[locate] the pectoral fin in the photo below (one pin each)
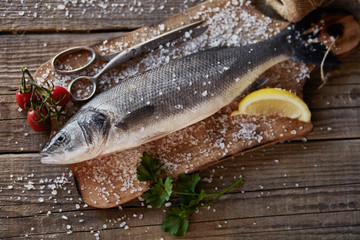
(135, 117)
(258, 83)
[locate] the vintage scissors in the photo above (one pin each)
(115, 59)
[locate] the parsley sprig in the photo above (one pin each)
(176, 221)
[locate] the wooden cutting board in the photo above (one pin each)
(110, 181)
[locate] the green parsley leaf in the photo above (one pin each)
(149, 168)
(159, 192)
(176, 222)
(187, 182)
(194, 201)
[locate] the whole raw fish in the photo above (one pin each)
(165, 99)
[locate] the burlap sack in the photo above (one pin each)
(294, 10)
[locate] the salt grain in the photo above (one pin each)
(222, 31)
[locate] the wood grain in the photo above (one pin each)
(297, 190)
(291, 192)
(60, 15)
(99, 184)
(31, 50)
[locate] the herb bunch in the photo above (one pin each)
(190, 200)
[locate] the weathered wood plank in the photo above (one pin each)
(310, 233)
(333, 96)
(335, 123)
(62, 15)
(304, 164)
(335, 225)
(311, 188)
(289, 187)
(342, 86)
(17, 136)
(31, 50)
(345, 73)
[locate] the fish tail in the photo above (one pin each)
(301, 49)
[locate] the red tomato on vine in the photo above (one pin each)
(41, 101)
(23, 99)
(60, 95)
(37, 120)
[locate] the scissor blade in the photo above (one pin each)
(194, 33)
(145, 47)
(164, 38)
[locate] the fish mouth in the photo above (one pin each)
(47, 158)
(45, 150)
(58, 158)
(50, 159)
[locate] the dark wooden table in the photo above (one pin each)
(304, 189)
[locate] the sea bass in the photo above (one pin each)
(163, 100)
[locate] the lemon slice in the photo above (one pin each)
(274, 101)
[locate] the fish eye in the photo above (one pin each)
(61, 138)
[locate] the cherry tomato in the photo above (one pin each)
(23, 99)
(34, 120)
(59, 93)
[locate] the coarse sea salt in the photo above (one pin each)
(231, 27)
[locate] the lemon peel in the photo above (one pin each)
(274, 101)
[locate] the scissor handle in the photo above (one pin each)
(94, 55)
(74, 96)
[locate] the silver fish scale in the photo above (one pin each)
(163, 100)
(160, 101)
(186, 84)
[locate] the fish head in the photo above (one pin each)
(82, 138)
